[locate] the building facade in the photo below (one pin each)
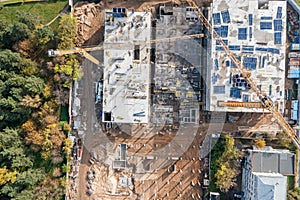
(265, 173)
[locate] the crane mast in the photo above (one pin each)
(265, 100)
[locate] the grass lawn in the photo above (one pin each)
(64, 114)
(291, 182)
(298, 2)
(46, 11)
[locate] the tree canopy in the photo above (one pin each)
(224, 165)
(33, 147)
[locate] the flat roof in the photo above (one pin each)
(126, 68)
(270, 186)
(273, 161)
(256, 33)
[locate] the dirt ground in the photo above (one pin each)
(162, 181)
(90, 16)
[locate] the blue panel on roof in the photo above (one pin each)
(266, 18)
(277, 38)
(216, 64)
(250, 32)
(225, 16)
(263, 58)
(250, 16)
(214, 78)
(261, 49)
(279, 13)
(242, 33)
(219, 43)
(295, 115)
(224, 31)
(273, 50)
(295, 104)
(248, 52)
(247, 48)
(250, 63)
(219, 89)
(270, 90)
(115, 10)
(217, 18)
(219, 48)
(235, 93)
(218, 30)
(245, 98)
(277, 25)
(234, 47)
(227, 63)
(265, 25)
(117, 15)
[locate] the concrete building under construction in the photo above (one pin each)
(177, 80)
(255, 31)
(126, 67)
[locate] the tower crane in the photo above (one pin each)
(84, 50)
(266, 101)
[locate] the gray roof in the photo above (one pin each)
(270, 186)
(273, 161)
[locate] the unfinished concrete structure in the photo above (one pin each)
(126, 67)
(177, 77)
(256, 32)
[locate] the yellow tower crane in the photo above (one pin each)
(84, 50)
(266, 101)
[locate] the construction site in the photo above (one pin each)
(160, 83)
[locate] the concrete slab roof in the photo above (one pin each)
(127, 67)
(255, 32)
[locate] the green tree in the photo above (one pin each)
(67, 31)
(226, 177)
(28, 18)
(260, 143)
(42, 36)
(34, 85)
(14, 33)
(3, 25)
(224, 164)
(15, 84)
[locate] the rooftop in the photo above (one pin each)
(270, 160)
(256, 33)
(177, 67)
(270, 186)
(127, 67)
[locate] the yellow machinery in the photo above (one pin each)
(241, 104)
(266, 101)
(84, 51)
